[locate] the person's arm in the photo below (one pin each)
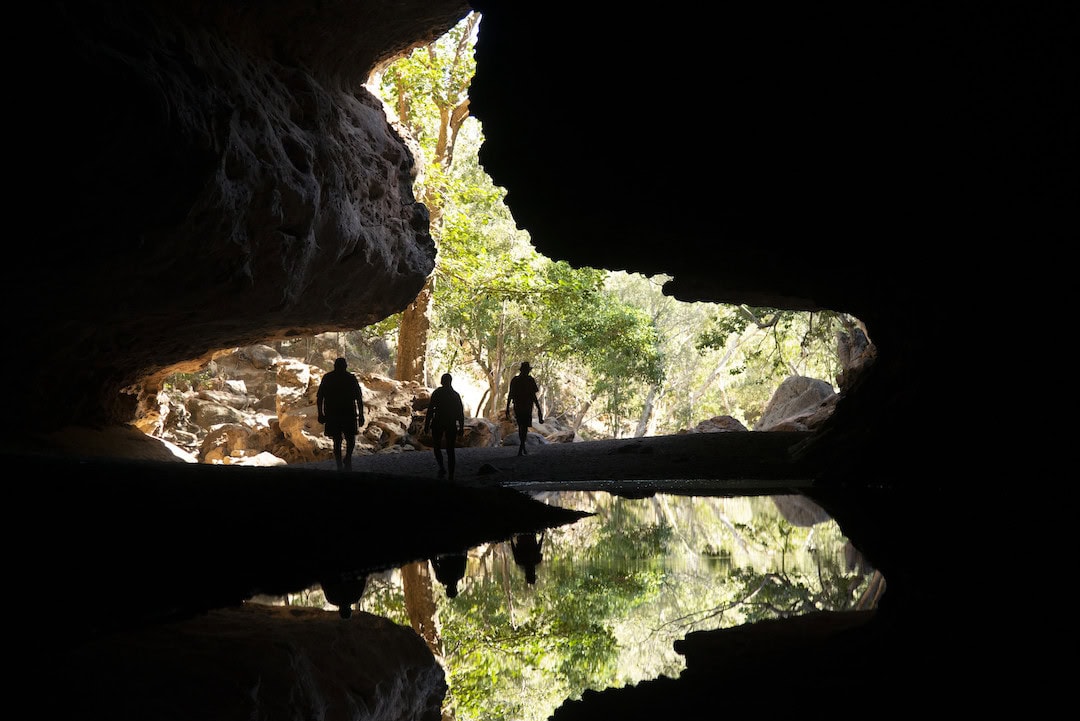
(321, 404)
(509, 393)
(536, 400)
(429, 414)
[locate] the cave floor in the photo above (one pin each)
(744, 463)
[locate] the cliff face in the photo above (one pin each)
(204, 176)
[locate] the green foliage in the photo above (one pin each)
(614, 592)
(383, 596)
(431, 80)
(609, 349)
(777, 343)
(609, 343)
(496, 300)
(617, 589)
(183, 381)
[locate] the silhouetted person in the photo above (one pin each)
(526, 548)
(523, 395)
(341, 410)
(344, 590)
(445, 419)
(449, 570)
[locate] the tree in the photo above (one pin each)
(487, 277)
(428, 91)
(494, 301)
(616, 340)
(498, 301)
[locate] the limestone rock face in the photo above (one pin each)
(207, 178)
(796, 400)
(258, 662)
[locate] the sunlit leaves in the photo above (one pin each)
(431, 80)
(775, 342)
(622, 351)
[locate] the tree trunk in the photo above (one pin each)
(581, 415)
(412, 337)
(493, 370)
(694, 395)
(420, 604)
(423, 613)
(646, 413)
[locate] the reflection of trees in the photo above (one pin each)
(615, 590)
(514, 648)
(759, 596)
(789, 570)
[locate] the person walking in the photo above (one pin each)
(523, 395)
(445, 419)
(340, 401)
(527, 553)
(450, 570)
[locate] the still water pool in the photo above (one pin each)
(602, 600)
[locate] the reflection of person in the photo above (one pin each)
(341, 410)
(344, 590)
(523, 394)
(526, 548)
(445, 419)
(449, 570)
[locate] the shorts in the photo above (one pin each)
(445, 436)
(341, 427)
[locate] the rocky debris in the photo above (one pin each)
(258, 408)
(798, 404)
(717, 424)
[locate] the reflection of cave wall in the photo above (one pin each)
(800, 511)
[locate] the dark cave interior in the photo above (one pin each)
(870, 160)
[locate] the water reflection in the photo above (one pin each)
(614, 591)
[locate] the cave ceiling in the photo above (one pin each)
(198, 176)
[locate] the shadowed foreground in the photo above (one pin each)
(140, 544)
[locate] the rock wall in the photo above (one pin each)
(203, 177)
(191, 177)
(199, 176)
(256, 662)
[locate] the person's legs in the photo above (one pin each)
(337, 437)
(524, 420)
(450, 444)
(350, 446)
(436, 437)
